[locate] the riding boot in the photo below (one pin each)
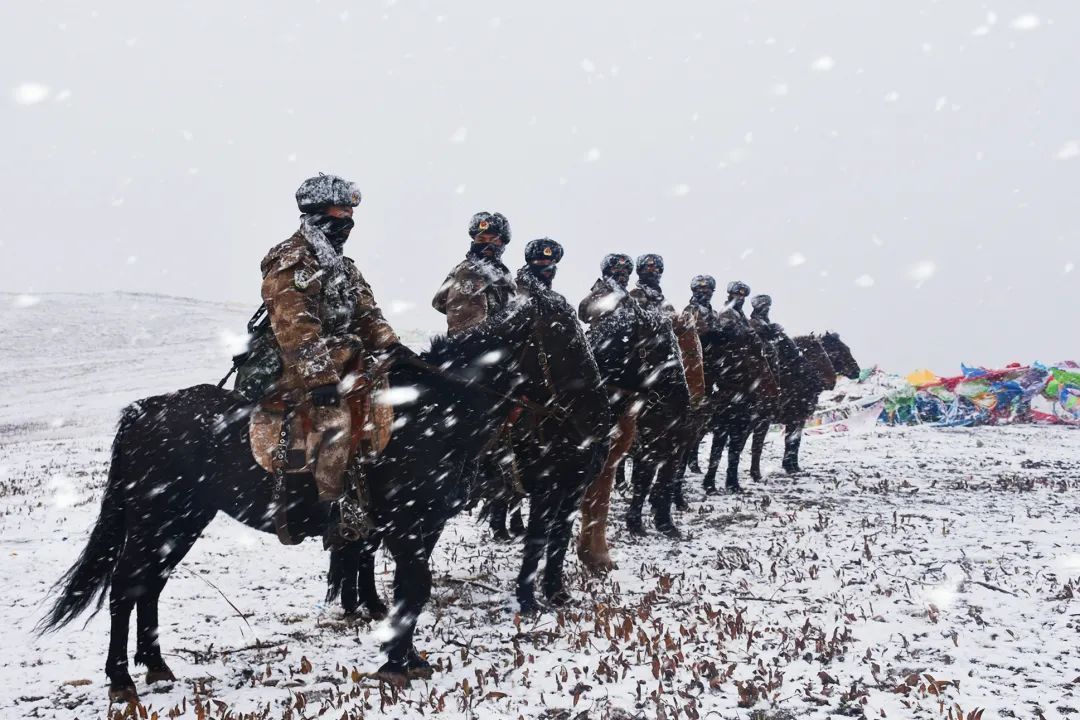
(350, 521)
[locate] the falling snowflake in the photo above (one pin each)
(1027, 22)
(30, 93)
(922, 271)
(823, 64)
(864, 281)
(680, 190)
(796, 259)
(1069, 150)
(592, 155)
(460, 135)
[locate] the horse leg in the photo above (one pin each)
(592, 547)
(558, 541)
(661, 499)
(641, 478)
(736, 443)
(516, 524)
(535, 539)
(792, 441)
(412, 589)
(761, 429)
(367, 591)
(718, 441)
(497, 519)
(121, 686)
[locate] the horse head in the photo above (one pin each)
(840, 355)
(811, 348)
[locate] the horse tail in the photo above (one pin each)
(335, 577)
(91, 574)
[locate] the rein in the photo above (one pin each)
(473, 385)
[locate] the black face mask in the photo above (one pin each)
(543, 273)
(736, 301)
(486, 251)
(761, 313)
(336, 229)
(701, 297)
(652, 279)
(623, 278)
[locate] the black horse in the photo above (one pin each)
(807, 365)
(556, 455)
(179, 459)
(742, 388)
(640, 363)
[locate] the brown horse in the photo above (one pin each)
(639, 361)
(806, 368)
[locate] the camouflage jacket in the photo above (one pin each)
(650, 298)
(473, 292)
(320, 319)
(732, 318)
(528, 285)
(702, 317)
(606, 296)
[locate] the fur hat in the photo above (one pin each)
(490, 223)
(647, 258)
(543, 249)
(761, 301)
(735, 287)
(320, 192)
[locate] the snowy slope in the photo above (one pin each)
(903, 553)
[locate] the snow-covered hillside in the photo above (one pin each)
(907, 572)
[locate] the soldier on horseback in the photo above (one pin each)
(609, 292)
(479, 286)
(700, 310)
(732, 315)
(325, 324)
(650, 268)
(542, 257)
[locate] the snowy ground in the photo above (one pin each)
(908, 571)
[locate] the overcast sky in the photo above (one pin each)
(905, 173)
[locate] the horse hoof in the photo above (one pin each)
(682, 505)
(376, 610)
(559, 597)
(755, 474)
(159, 675)
(124, 694)
(501, 536)
(529, 607)
(710, 489)
(670, 531)
(417, 668)
(734, 489)
(393, 673)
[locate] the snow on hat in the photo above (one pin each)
(652, 258)
(735, 287)
(493, 223)
(322, 191)
(703, 281)
(760, 301)
(543, 249)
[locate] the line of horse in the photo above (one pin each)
(179, 459)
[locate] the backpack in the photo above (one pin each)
(258, 367)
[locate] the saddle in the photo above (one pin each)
(290, 438)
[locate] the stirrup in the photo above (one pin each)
(355, 523)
